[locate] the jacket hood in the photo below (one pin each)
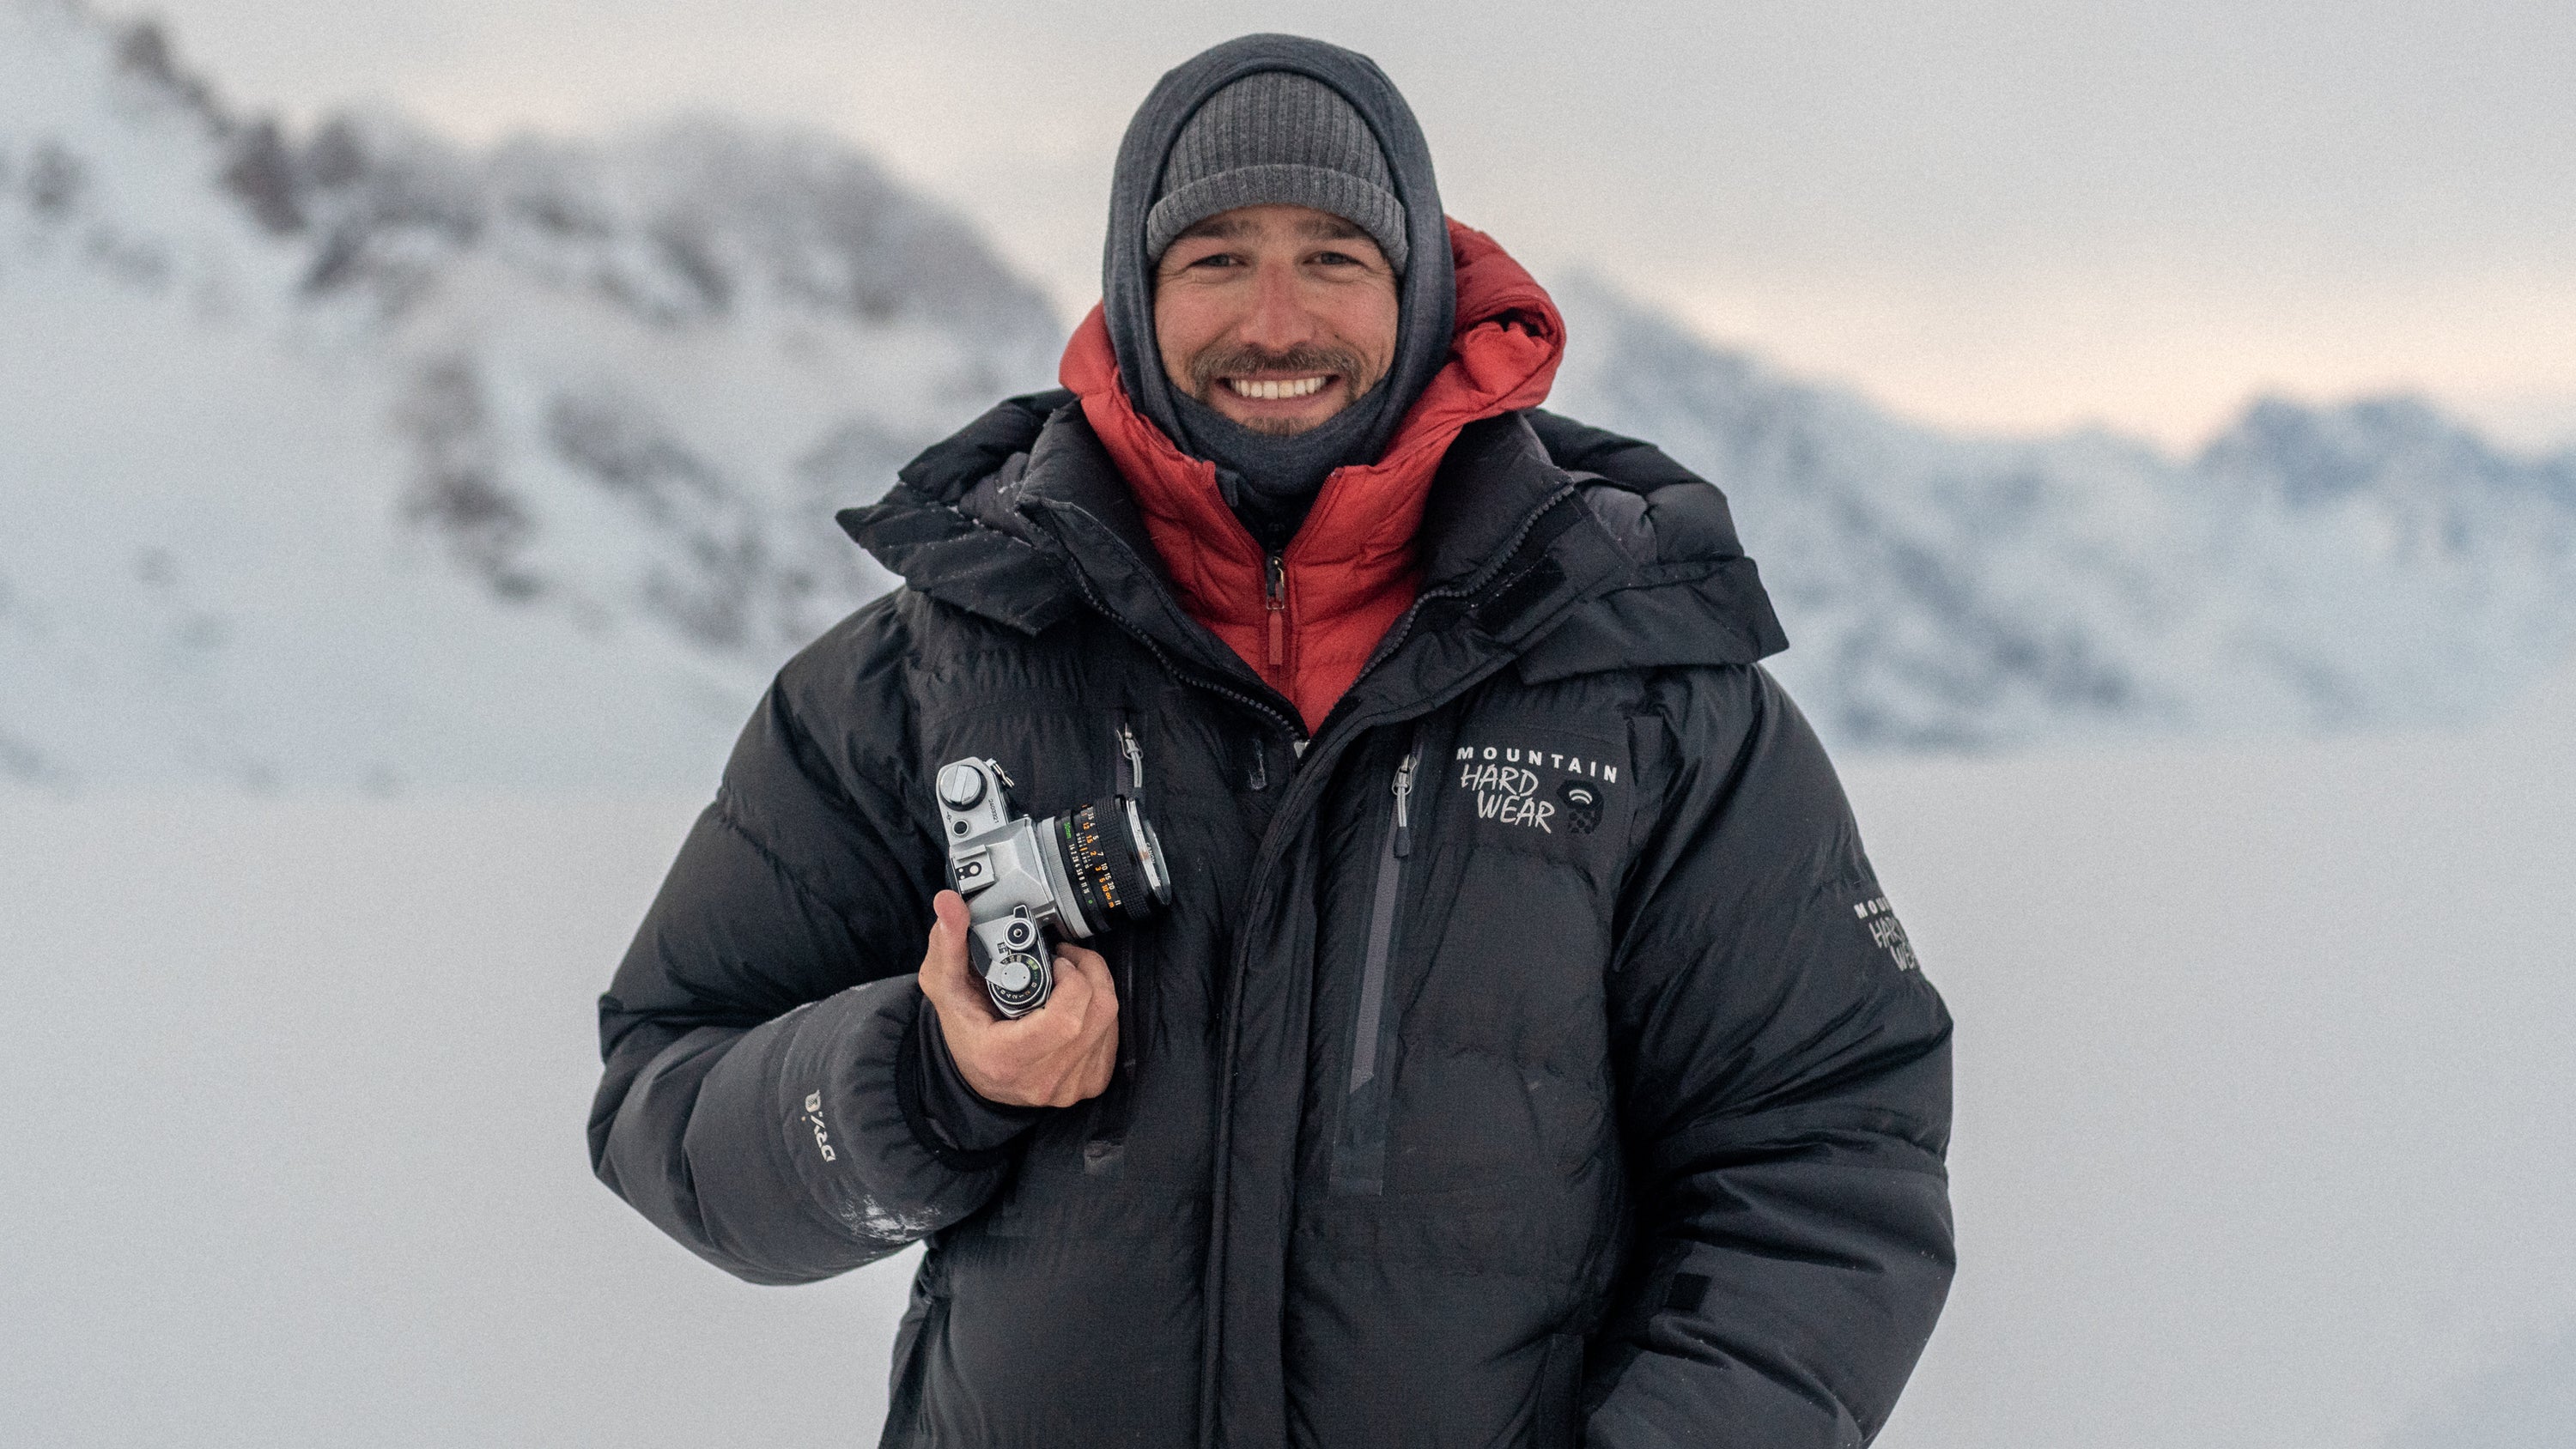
(1282, 471)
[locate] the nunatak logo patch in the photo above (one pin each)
(1548, 791)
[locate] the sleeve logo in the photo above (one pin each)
(1880, 917)
(814, 1115)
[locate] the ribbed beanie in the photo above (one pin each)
(1277, 138)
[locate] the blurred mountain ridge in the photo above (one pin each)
(345, 456)
(2367, 563)
(350, 456)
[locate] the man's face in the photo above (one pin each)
(1278, 317)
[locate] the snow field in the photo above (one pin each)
(2262, 1140)
(2263, 1087)
(294, 1122)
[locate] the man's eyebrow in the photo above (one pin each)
(1220, 226)
(1327, 227)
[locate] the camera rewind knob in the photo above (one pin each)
(961, 785)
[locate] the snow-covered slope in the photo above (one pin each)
(350, 458)
(364, 461)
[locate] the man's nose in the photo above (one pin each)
(1279, 319)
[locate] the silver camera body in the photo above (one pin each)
(1074, 874)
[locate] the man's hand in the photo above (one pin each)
(1058, 1055)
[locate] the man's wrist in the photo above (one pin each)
(953, 1121)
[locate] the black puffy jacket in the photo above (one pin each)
(1588, 1094)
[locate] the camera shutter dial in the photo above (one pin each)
(1016, 982)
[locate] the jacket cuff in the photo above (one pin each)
(952, 1121)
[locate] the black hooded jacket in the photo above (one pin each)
(1581, 1091)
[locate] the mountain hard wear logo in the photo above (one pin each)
(1876, 914)
(1505, 784)
(1582, 803)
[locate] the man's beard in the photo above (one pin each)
(1208, 367)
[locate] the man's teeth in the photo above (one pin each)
(1275, 387)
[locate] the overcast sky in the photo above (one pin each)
(1996, 213)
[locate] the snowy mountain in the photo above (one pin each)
(348, 457)
(2312, 569)
(360, 459)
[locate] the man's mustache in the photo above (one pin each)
(1208, 366)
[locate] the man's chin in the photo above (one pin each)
(1283, 427)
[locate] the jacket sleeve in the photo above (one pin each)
(1785, 1094)
(760, 1099)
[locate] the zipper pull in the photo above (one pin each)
(1135, 760)
(1275, 597)
(1403, 804)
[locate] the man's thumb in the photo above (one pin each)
(947, 957)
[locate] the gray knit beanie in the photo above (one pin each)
(1277, 138)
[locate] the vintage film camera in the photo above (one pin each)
(1077, 874)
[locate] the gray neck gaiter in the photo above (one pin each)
(1270, 481)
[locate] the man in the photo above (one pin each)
(1526, 1056)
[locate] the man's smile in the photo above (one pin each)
(1280, 387)
(1282, 396)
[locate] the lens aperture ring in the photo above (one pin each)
(1100, 858)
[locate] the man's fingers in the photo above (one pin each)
(1084, 993)
(1089, 962)
(1099, 987)
(1070, 1002)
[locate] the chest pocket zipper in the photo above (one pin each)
(1104, 1148)
(1359, 1148)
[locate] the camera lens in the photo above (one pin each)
(1114, 861)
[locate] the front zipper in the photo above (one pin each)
(1290, 726)
(1359, 1155)
(1274, 599)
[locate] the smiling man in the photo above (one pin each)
(1527, 1055)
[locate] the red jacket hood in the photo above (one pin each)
(1350, 569)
